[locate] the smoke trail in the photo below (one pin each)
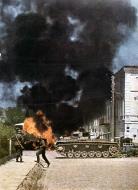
(68, 48)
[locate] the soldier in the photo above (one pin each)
(18, 146)
(42, 150)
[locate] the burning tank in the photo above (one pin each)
(80, 145)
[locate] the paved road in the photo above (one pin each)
(90, 174)
(74, 174)
(12, 173)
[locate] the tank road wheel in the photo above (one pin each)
(113, 150)
(77, 154)
(98, 154)
(91, 154)
(70, 154)
(84, 154)
(105, 154)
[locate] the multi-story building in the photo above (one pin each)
(126, 103)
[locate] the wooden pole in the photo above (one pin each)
(10, 147)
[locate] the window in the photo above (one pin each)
(136, 98)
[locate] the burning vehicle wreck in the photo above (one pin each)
(36, 127)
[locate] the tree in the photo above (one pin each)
(13, 116)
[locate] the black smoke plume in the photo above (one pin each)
(82, 36)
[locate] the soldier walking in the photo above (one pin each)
(42, 151)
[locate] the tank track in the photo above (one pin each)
(88, 150)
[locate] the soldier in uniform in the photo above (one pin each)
(42, 151)
(18, 146)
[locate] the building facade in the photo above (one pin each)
(101, 127)
(126, 103)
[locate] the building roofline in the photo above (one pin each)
(124, 68)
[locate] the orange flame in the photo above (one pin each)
(31, 128)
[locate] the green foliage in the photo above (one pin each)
(4, 148)
(13, 116)
(3, 153)
(6, 131)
